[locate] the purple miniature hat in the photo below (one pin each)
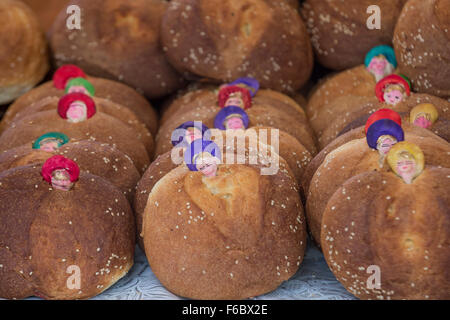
(197, 147)
(179, 134)
(381, 128)
(251, 83)
(228, 111)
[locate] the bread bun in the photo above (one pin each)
(24, 60)
(422, 45)
(90, 227)
(339, 31)
(117, 111)
(400, 230)
(208, 238)
(356, 133)
(266, 40)
(353, 158)
(101, 127)
(118, 40)
(96, 158)
(113, 91)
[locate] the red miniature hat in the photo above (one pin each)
(66, 100)
(226, 91)
(65, 73)
(60, 162)
(383, 114)
(391, 79)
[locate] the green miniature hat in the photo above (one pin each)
(81, 82)
(61, 137)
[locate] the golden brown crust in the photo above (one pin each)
(339, 31)
(101, 127)
(117, 111)
(356, 157)
(97, 158)
(269, 109)
(422, 45)
(23, 50)
(207, 245)
(44, 231)
(113, 91)
(403, 229)
(263, 39)
(119, 40)
(353, 134)
(356, 81)
(46, 14)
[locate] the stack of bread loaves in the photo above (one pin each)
(77, 147)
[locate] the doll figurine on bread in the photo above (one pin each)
(381, 61)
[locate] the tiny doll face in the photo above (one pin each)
(423, 120)
(61, 180)
(393, 95)
(207, 165)
(77, 112)
(406, 167)
(234, 123)
(235, 99)
(192, 134)
(78, 89)
(385, 144)
(378, 65)
(49, 144)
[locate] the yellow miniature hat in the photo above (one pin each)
(427, 108)
(407, 150)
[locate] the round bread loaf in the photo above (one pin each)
(47, 13)
(92, 157)
(353, 158)
(391, 240)
(55, 236)
(108, 107)
(101, 127)
(24, 54)
(269, 109)
(357, 133)
(339, 31)
(245, 147)
(113, 91)
(208, 238)
(225, 40)
(118, 40)
(422, 45)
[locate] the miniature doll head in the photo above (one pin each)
(423, 115)
(406, 160)
(80, 85)
(64, 74)
(60, 172)
(50, 142)
(381, 61)
(392, 89)
(231, 118)
(203, 156)
(234, 96)
(382, 135)
(76, 107)
(189, 131)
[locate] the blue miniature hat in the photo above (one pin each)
(197, 147)
(178, 135)
(228, 111)
(61, 137)
(383, 127)
(385, 50)
(251, 83)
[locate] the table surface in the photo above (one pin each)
(313, 281)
